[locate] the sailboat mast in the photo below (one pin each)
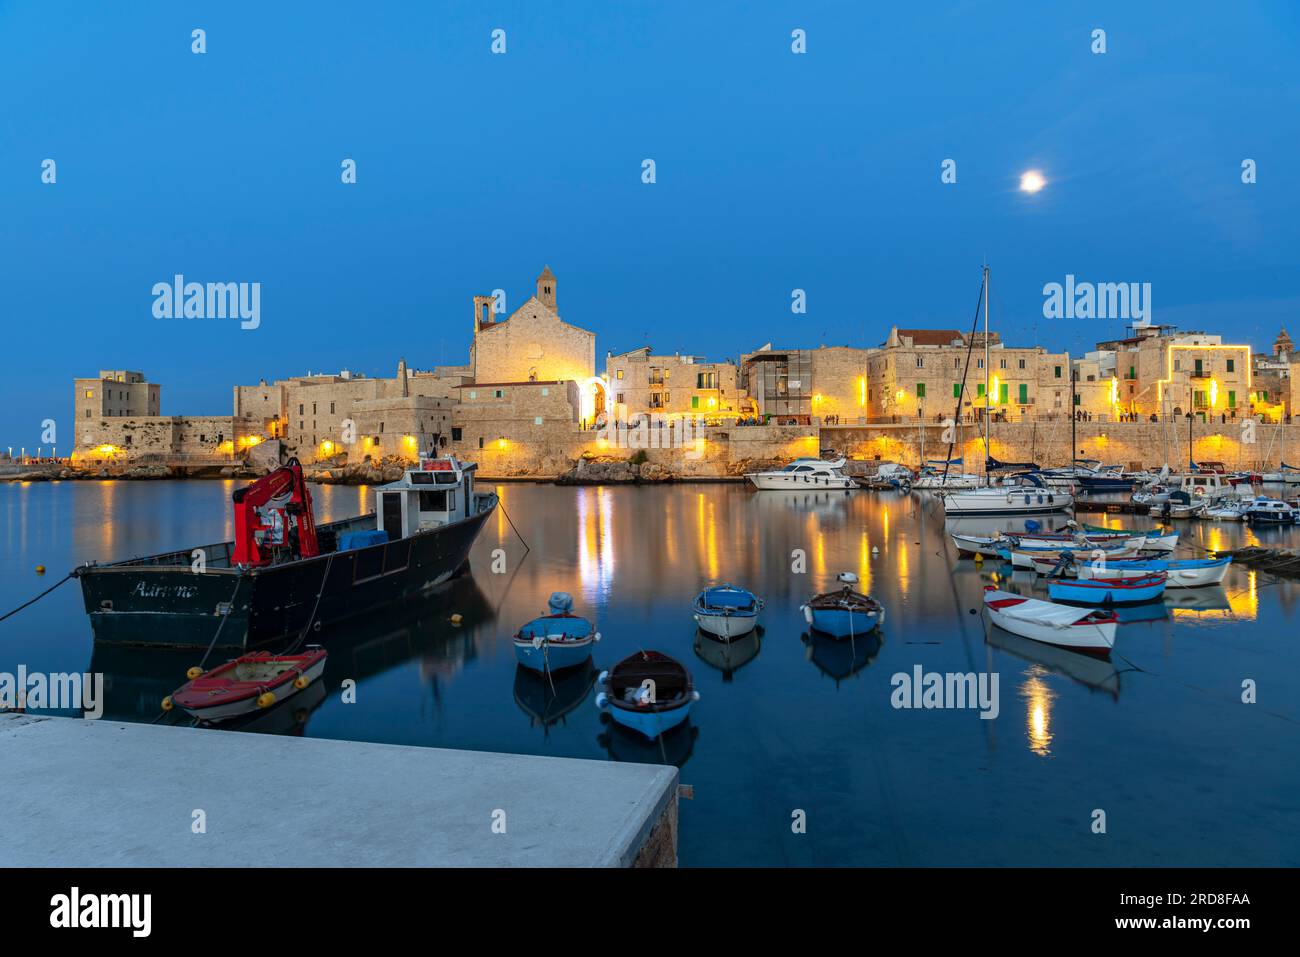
(1074, 415)
(988, 399)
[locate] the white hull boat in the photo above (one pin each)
(1032, 560)
(1029, 496)
(953, 482)
(804, 474)
(1081, 629)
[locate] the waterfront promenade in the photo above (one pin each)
(80, 793)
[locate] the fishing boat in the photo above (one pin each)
(283, 574)
(1182, 573)
(727, 611)
(557, 640)
(1227, 509)
(648, 692)
(1179, 504)
(804, 474)
(843, 613)
(1029, 558)
(1089, 630)
(988, 546)
(1108, 591)
(1023, 494)
(248, 683)
(1268, 511)
(1106, 479)
(1151, 539)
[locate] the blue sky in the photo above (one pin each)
(775, 171)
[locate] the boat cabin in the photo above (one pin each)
(1207, 483)
(437, 492)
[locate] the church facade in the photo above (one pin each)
(533, 344)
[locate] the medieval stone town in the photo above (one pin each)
(530, 403)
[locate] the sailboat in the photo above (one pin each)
(1286, 474)
(1018, 494)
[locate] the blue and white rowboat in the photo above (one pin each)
(727, 611)
(556, 641)
(1108, 591)
(843, 613)
(1183, 573)
(648, 692)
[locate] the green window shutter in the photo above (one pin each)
(920, 390)
(1002, 393)
(956, 390)
(695, 402)
(1232, 399)
(1058, 372)
(1024, 393)
(1077, 399)
(979, 390)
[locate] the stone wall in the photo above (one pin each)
(534, 343)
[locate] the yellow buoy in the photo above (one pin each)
(167, 703)
(301, 682)
(979, 559)
(194, 672)
(265, 699)
(40, 569)
(456, 619)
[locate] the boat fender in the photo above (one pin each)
(602, 678)
(40, 569)
(266, 699)
(875, 550)
(596, 637)
(807, 613)
(167, 704)
(602, 701)
(194, 672)
(537, 641)
(301, 682)
(695, 696)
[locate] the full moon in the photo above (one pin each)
(1032, 181)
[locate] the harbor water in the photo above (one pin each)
(796, 752)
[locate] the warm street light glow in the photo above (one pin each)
(1031, 181)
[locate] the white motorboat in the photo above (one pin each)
(1082, 629)
(804, 474)
(1268, 511)
(1226, 509)
(1023, 494)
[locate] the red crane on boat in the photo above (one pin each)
(273, 517)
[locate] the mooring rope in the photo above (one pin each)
(38, 597)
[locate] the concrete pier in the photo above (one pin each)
(80, 793)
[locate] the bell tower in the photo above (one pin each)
(546, 288)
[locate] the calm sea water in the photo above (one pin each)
(1158, 738)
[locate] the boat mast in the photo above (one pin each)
(988, 399)
(1074, 416)
(1191, 464)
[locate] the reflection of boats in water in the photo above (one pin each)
(137, 678)
(824, 502)
(672, 747)
(1206, 598)
(547, 699)
(840, 658)
(728, 656)
(1091, 670)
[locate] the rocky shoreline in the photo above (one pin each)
(587, 471)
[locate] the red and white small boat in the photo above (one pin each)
(1088, 630)
(248, 683)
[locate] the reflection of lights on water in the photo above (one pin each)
(595, 541)
(1038, 711)
(864, 564)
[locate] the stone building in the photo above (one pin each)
(1161, 371)
(114, 394)
(923, 372)
(533, 343)
(778, 383)
(675, 385)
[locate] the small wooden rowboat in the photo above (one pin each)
(1108, 591)
(727, 611)
(1089, 630)
(557, 640)
(844, 613)
(648, 692)
(247, 683)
